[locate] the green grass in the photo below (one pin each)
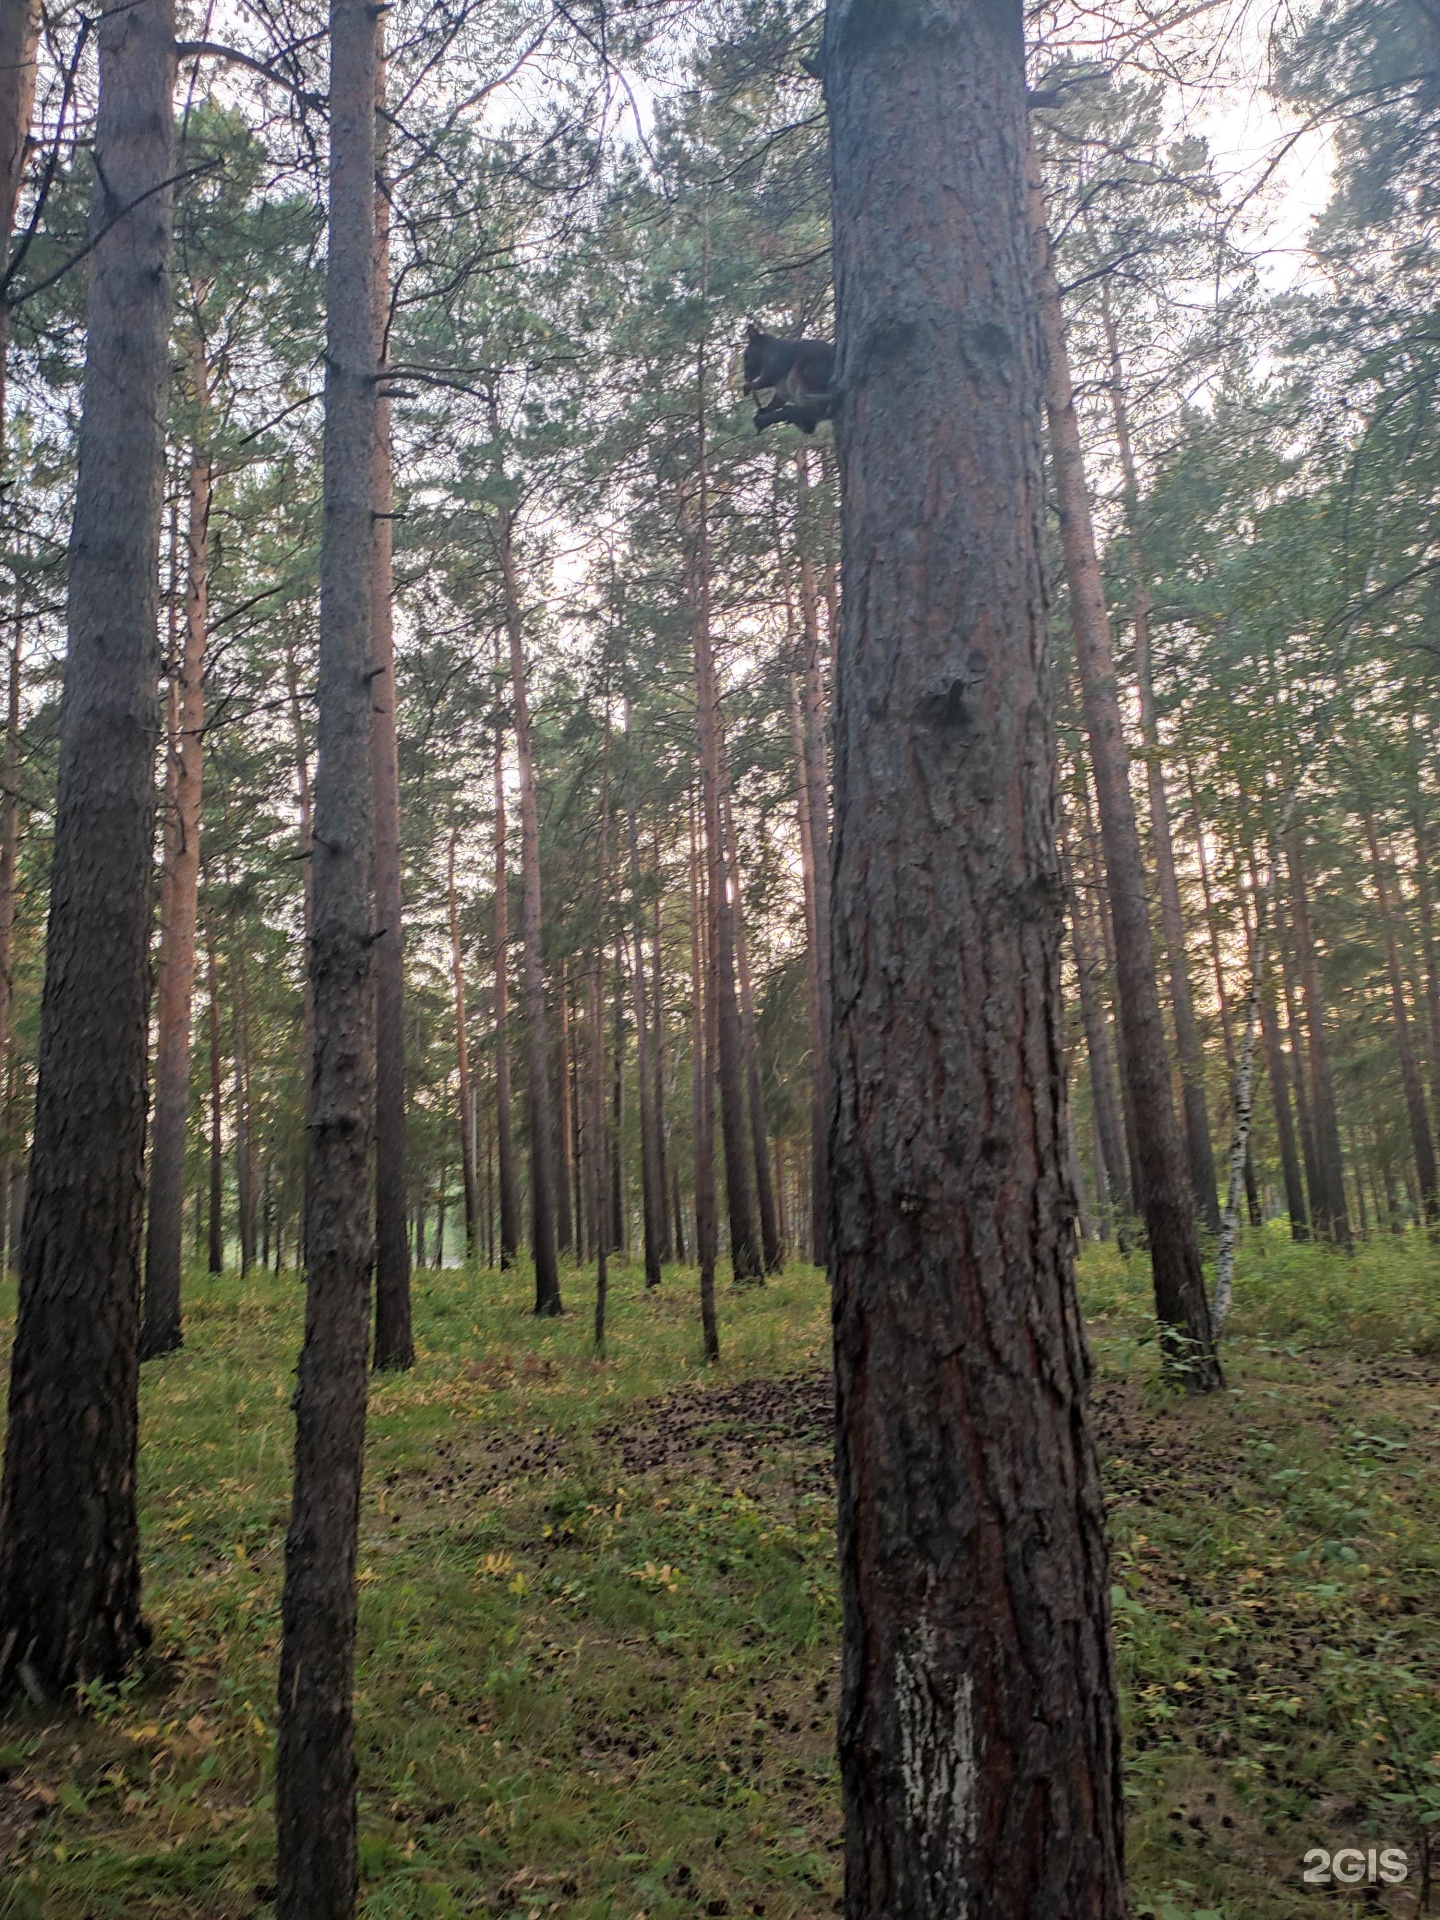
(601, 1689)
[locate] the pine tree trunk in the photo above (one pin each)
(619, 1216)
(702, 1076)
(1172, 918)
(9, 854)
(1328, 1198)
(1430, 951)
(1165, 1189)
(315, 1779)
(244, 1146)
(504, 1133)
(69, 1538)
(819, 1028)
(216, 1262)
(462, 1055)
(745, 1259)
(1280, 1100)
(979, 1732)
(652, 1170)
(754, 1097)
(542, 1161)
(394, 1338)
(1422, 1143)
(1097, 1046)
(817, 802)
(598, 1153)
(565, 1228)
(179, 904)
(671, 1237)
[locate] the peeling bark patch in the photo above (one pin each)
(938, 1760)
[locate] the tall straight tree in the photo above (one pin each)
(504, 1135)
(537, 1048)
(1327, 1192)
(652, 1171)
(462, 1054)
(745, 1258)
(979, 1732)
(394, 1341)
(1165, 1194)
(315, 1809)
(1172, 918)
(161, 1331)
(69, 1539)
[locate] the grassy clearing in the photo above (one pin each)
(598, 1666)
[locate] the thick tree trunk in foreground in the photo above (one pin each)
(1172, 917)
(69, 1542)
(504, 1132)
(1327, 1196)
(394, 1340)
(180, 895)
(462, 1056)
(315, 1808)
(1166, 1196)
(1422, 1142)
(542, 1149)
(979, 1732)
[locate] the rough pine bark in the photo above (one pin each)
(180, 895)
(979, 1733)
(462, 1055)
(1165, 1193)
(542, 1153)
(69, 1541)
(504, 1132)
(394, 1339)
(244, 1144)
(315, 1780)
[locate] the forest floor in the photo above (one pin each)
(598, 1627)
